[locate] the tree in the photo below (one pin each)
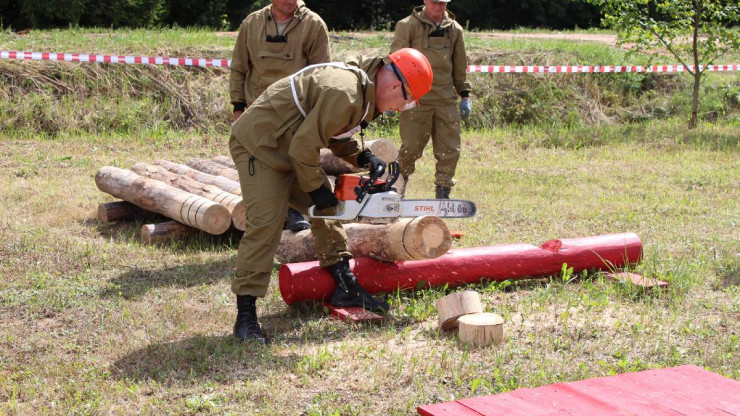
(696, 32)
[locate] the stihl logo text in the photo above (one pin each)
(423, 209)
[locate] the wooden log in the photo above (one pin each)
(155, 196)
(165, 231)
(226, 184)
(385, 149)
(214, 193)
(419, 238)
(120, 211)
(481, 329)
(451, 307)
(213, 168)
(224, 160)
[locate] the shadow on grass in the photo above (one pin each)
(137, 282)
(202, 358)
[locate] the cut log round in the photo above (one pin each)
(155, 196)
(451, 307)
(213, 168)
(481, 329)
(226, 184)
(120, 211)
(185, 183)
(385, 149)
(164, 231)
(417, 238)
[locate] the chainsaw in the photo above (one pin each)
(367, 198)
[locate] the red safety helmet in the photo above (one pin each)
(416, 70)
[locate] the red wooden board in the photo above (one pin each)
(684, 390)
(354, 315)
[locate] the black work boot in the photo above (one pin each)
(246, 327)
(295, 221)
(349, 293)
(442, 192)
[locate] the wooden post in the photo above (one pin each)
(155, 196)
(385, 149)
(120, 211)
(451, 307)
(226, 184)
(481, 329)
(164, 231)
(213, 168)
(417, 238)
(185, 183)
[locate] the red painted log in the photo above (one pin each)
(307, 281)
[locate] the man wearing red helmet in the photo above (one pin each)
(432, 29)
(275, 145)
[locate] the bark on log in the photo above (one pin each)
(213, 168)
(120, 211)
(155, 196)
(417, 238)
(214, 193)
(455, 305)
(226, 184)
(165, 231)
(224, 160)
(385, 149)
(481, 329)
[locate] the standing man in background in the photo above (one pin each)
(432, 29)
(274, 42)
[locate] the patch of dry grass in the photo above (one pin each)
(93, 322)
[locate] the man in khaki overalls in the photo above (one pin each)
(275, 145)
(273, 43)
(432, 30)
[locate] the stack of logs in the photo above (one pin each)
(206, 195)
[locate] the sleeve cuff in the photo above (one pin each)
(464, 94)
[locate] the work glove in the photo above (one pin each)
(370, 161)
(465, 108)
(322, 197)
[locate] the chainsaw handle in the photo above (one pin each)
(374, 175)
(368, 186)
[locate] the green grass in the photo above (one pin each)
(93, 322)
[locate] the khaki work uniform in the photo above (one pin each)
(275, 145)
(437, 116)
(261, 57)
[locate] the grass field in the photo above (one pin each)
(93, 322)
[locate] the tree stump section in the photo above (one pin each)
(226, 184)
(451, 307)
(481, 329)
(214, 193)
(165, 231)
(121, 211)
(419, 238)
(213, 168)
(155, 196)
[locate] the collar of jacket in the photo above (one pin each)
(446, 20)
(301, 10)
(370, 66)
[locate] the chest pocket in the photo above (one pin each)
(275, 60)
(437, 40)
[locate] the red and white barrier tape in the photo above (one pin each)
(113, 59)
(499, 69)
(598, 69)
